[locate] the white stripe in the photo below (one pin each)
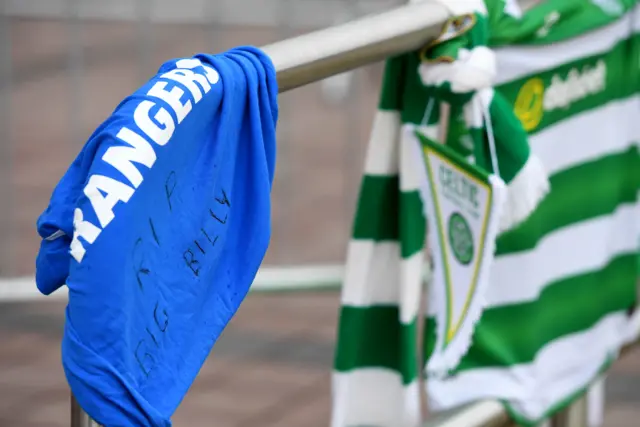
(372, 269)
(587, 246)
(521, 61)
(411, 174)
(374, 397)
(372, 277)
(382, 151)
(588, 136)
(411, 281)
(560, 368)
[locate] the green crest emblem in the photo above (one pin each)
(460, 238)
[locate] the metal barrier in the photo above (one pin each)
(321, 54)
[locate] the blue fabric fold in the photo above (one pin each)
(158, 229)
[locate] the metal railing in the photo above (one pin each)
(321, 54)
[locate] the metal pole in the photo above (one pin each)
(79, 418)
(595, 401)
(574, 415)
(6, 142)
(320, 54)
(481, 414)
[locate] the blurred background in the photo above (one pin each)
(64, 66)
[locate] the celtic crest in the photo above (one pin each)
(460, 238)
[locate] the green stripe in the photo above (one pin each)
(412, 224)
(610, 183)
(635, 59)
(377, 211)
(373, 337)
(429, 338)
(391, 95)
(577, 18)
(617, 85)
(403, 91)
(377, 216)
(515, 333)
(416, 96)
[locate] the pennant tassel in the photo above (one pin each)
(502, 148)
(530, 184)
(524, 193)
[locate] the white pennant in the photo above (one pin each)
(462, 204)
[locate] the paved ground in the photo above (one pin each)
(270, 369)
